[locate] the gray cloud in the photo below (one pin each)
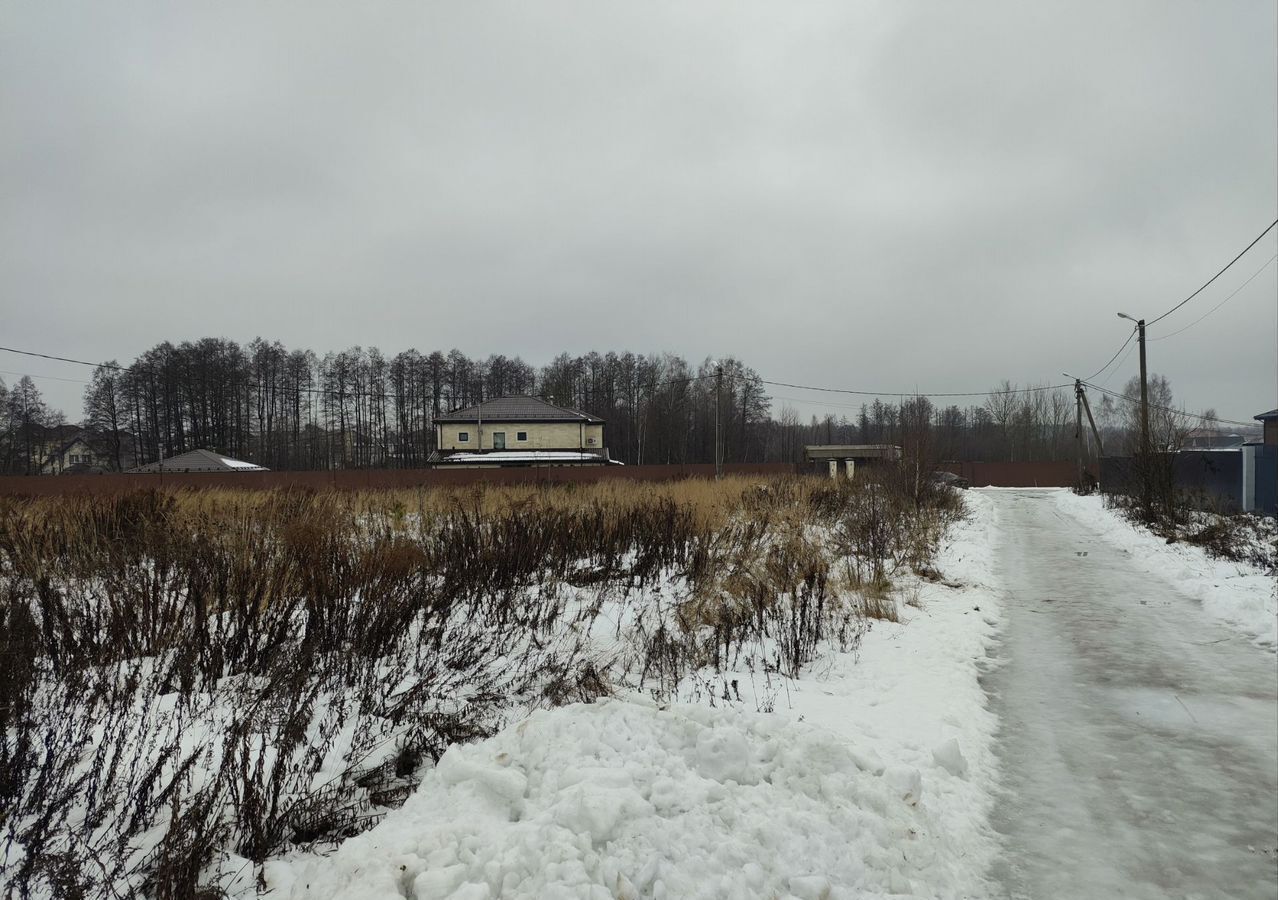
(885, 196)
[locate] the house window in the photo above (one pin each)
(463, 437)
(521, 435)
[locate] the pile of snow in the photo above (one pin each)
(625, 799)
(516, 456)
(240, 464)
(1238, 594)
(871, 775)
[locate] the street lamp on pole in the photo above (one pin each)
(1144, 400)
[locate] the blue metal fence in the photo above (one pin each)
(1267, 479)
(1212, 478)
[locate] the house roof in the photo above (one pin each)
(198, 461)
(518, 409)
(1272, 414)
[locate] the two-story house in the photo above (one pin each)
(73, 450)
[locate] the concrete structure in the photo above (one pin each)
(197, 461)
(826, 457)
(523, 430)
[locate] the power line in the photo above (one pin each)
(135, 368)
(690, 378)
(1119, 367)
(1114, 357)
(80, 362)
(1218, 305)
(47, 377)
(823, 404)
(1178, 412)
(1217, 275)
(993, 393)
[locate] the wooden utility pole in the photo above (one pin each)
(1146, 460)
(1078, 431)
(1144, 392)
(1087, 408)
(718, 440)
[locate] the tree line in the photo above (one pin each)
(358, 408)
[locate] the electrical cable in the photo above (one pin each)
(1164, 337)
(994, 393)
(1217, 275)
(1178, 412)
(1115, 356)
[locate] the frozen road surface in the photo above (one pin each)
(1139, 738)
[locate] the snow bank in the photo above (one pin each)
(913, 694)
(1238, 594)
(624, 799)
(872, 775)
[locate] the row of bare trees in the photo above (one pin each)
(357, 408)
(360, 409)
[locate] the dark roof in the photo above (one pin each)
(518, 409)
(1272, 414)
(198, 461)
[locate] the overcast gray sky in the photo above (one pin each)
(882, 196)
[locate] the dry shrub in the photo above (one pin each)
(876, 602)
(158, 642)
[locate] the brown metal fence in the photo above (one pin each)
(1016, 474)
(367, 479)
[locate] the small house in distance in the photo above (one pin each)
(826, 457)
(519, 431)
(197, 461)
(83, 452)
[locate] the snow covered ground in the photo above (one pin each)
(873, 775)
(1238, 594)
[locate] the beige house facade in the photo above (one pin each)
(503, 428)
(491, 435)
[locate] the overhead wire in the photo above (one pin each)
(43, 377)
(1237, 290)
(1130, 335)
(1178, 412)
(1217, 275)
(1117, 368)
(996, 392)
(370, 395)
(683, 380)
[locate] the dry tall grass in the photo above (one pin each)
(156, 644)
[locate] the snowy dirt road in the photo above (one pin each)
(1139, 737)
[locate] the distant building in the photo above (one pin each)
(1212, 439)
(827, 457)
(198, 461)
(73, 450)
(519, 431)
(1270, 422)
